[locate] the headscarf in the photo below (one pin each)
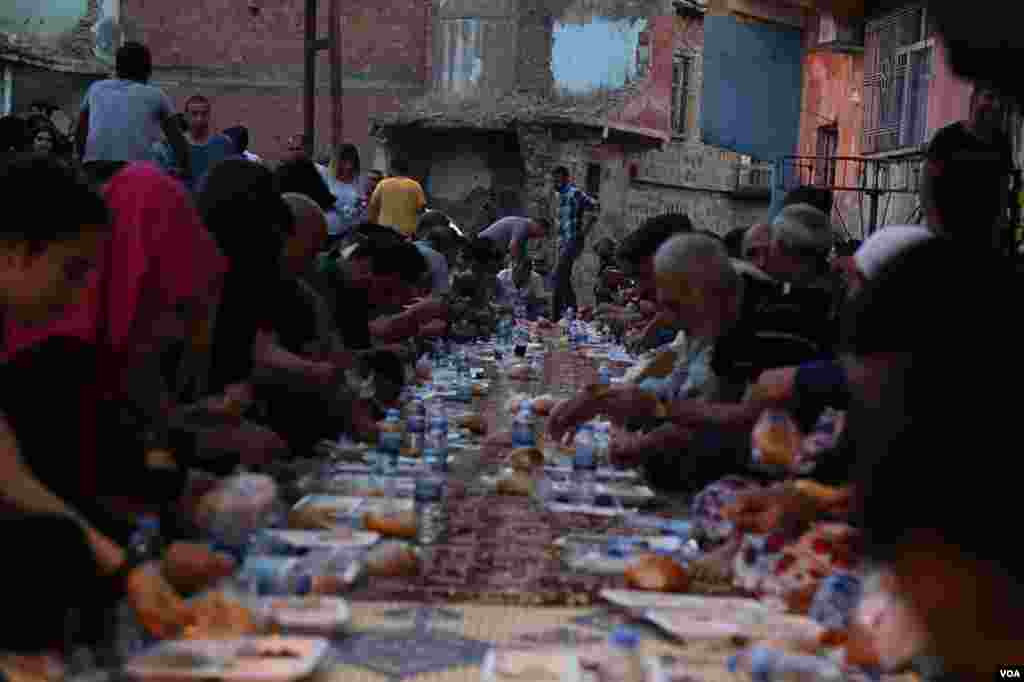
(159, 255)
(884, 245)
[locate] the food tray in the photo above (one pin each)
(238, 659)
(318, 614)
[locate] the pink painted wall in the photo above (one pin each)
(832, 92)
(649, 111)
(949, 97)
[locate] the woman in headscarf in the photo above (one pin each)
(60, 371)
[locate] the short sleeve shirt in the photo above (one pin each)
(438, 268)
(400, 201)
(507, 230)
(125, 120)
(572, 203)
(205, 156)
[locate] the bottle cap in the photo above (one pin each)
(625, 638)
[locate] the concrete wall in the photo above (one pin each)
(949, 97)
(251, 62)
(30, 83)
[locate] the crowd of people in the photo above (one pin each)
(174, 307)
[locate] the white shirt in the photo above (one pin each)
(509, 292)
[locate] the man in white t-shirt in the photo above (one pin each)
(520, 285)
(122, 118)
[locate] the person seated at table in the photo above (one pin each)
(721, 316)
(806, 389)
(305, 389)
(964, 585)
(380, 273)
(519, 285)
(47, 270)
(610, 279)
(882, 342)
(635, 257)
(697, 284)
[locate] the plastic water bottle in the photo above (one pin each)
(522, 427)
(626, 663)
(415, 429)
(604, 375)
(146, 539)
(584, 465)
(768, 665)
(602, 445)
(391, 433)
(429, 503)
(318, 572)
(130, 637)
(435, 450)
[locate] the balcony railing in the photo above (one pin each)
(754, 180)
(900, 175)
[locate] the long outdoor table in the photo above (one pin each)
(500, 549)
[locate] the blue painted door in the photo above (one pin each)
(751, 93)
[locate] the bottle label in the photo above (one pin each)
(266, 574)
(391, 441)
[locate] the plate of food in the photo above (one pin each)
(267, 659)
(310, 614)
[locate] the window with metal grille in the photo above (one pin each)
(682, 68)
(897, 72)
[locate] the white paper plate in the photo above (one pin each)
(589, 510)
(603, 473)
(311, 539)
(638, 599)
(625, 494)
(563, 666)
(223, 663)
(323, 615)
(686, 626)
(350, 507)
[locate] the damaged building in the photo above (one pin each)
(53, 51)
(608, 88)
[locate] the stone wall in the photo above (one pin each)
(31, 83)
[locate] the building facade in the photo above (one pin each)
(874, 87)
(52, 51)
(608, 90)
(248, 58)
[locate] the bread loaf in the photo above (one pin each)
(392, 560)
(657, 573)
(397, 525)
(526, 459)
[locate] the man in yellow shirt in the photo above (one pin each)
(398, 200)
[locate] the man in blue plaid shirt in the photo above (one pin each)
(573, 204)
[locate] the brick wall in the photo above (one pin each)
(251, 62)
